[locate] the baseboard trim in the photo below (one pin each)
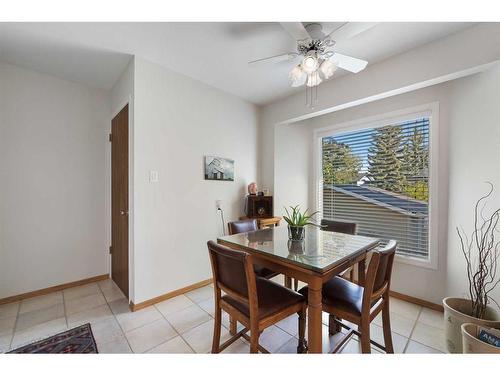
(163, 297)
(56, 288)
(417, 301)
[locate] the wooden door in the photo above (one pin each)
(119, 200)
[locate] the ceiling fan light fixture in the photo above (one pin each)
(297, 76)
(313, 79)
(310, 63)
(327, 68)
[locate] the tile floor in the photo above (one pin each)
(184, 324)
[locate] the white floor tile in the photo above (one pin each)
(273, 338)
(175, 304)
(432, 318)
(399, 324)
(89, 316)
(130, 320)
(403, 308)
(430, 336)
(290, 325)
(5, 343)
(201, 294)
(290, 347)
(80, 304)
(113, 294)
(354, 347)
(106, 330)
(175, 346)
(81, 291)
(417, 348)
(398, 341)
(9, 310)
(33, 318)
(188, 318)
(7, 325)
(208, 305)
(150, 335)
(329, 342)
(38, 332)
(200, 338)
(240, 346)
(118, 346)
(41, 302)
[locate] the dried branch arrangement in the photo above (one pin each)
(482, 251)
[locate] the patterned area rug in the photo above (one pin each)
(76, 340)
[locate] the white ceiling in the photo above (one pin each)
(215, 53)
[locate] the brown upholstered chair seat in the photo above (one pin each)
(342, 294)
(272, 298)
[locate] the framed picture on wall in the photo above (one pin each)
(219, 169)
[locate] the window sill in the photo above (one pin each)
(424, 263)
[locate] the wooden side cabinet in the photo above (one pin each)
(266, 222)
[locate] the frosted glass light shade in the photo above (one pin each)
(327, 68)
(297, 76)
(310, 64)
(313, 79)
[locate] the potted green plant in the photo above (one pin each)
(297, 221)
(482, 253)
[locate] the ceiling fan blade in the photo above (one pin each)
(349, 63)
(350, 30)
(277, 58)
(296, 30)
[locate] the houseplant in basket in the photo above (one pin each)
(297, 221)
(482, 253)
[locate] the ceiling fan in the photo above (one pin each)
(316, 49)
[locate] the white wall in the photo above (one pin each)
(469, 119)
(177, 121)
(53, 197)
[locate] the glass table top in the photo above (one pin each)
(320, 250)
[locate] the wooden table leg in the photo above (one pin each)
(288, 282)
(361, 272)
(314, 317)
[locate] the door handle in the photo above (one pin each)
(123, 213)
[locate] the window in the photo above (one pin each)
(378, 177)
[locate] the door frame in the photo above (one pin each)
(116, 110)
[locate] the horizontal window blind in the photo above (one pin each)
(379, 179)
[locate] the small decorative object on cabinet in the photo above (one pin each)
(219, 169)
(297, 222)
(252, 188)
(481, 251)
(258, 206)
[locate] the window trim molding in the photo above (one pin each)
(432, 111)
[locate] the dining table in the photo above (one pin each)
(313, 260)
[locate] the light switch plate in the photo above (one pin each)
(153, 176)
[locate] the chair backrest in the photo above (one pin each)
(242, 226)
(338, 226)
(233, 272)
(378, 276)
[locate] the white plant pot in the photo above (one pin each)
(471, 344)
(457, 312)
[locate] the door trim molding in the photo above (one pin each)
(163, 297)
(56, 288)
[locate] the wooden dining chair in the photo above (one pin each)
(360, 305)
(341, 227)
(245, 226)
(255, 302)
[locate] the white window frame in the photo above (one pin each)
(430, 110)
